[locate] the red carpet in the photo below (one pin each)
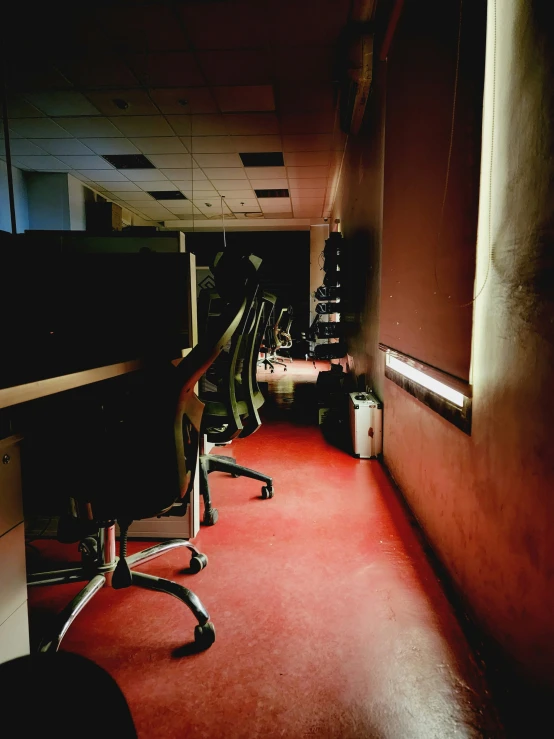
(330, 622)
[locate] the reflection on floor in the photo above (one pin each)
(330, 621)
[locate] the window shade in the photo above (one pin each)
(428, 276)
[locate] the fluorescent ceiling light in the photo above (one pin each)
(422, 379)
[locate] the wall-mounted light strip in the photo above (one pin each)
(443, 393)
(425, 380)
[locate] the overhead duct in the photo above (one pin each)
(357, 66)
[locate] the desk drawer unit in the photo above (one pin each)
(14, 628)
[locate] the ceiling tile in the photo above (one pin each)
(62, 102)
(274, 204)
(225, 173)
(106, 71)
(317, 22)
(17, 163)
(158, 185)
(208, 125)
(43, 163)
(138, 102)
(138, 196)
(123, 186)
(205, 194)
(227, 186)
(142, 125)
(85, 162)
(211, 144)
(156, 211)
(265, 173)
(80, 176)
(307, 172)
(13, 134)
(234, 194)
(184, 100)
(307, 183)
(160, 145)
(171, 161)
(245, 144)
(84, 127)
(304, 64)
(62, 146)
(178, 206)
(321, 122)
(311, 212)
(315, 97)
(18, 107)
(25, 147)
(38, 128)
(236, 25)
(24, 73)
(235, 67)
(218, 160)
(166, 69)
(110, 146)
(308, 192)
(181, 125)
(251, 124)
(242, 205)
(307, 158)
(185, 175)
(280, 215)
(149, 27)
(307, 142)
(143, 175)
(245, 98)
(104, 175)
(277, 184)
(307, 202)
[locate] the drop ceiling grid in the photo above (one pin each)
(157, 104)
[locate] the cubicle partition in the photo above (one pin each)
(82, 311)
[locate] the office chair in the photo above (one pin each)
(283, 338)
(143, 465)
(277, 339)
(231, 411)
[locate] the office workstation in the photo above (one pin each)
(276, 341)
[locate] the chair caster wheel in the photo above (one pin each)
(210, 517)
(198, 562)
(285, 369)
(267, 492)
(204, 636)
(89, 550)
(234, 474)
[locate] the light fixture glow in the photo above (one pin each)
(425, 380)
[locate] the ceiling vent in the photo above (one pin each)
(128, 161)
(167, 194)
(263, 159)
(272, 193)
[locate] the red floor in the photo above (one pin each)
(330, 621)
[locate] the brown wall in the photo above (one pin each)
(486, 501)
(359, 206)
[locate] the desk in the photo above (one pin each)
(14, 630)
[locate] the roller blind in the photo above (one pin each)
(429, 233)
